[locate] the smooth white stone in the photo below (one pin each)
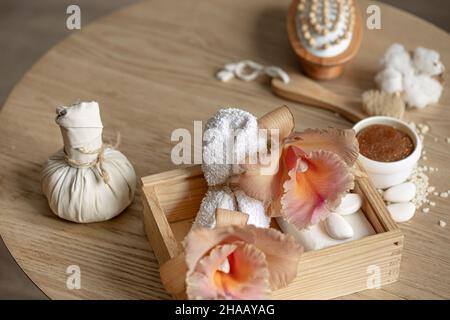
(402, 211)
(350, 204)
(400, 193)
(316, 237)
(337, 227)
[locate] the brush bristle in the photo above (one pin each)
(379, 103)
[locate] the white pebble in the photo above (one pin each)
(402, 212)
(426, 210)
(350, 203)
(435, 193)
(400, 193)
(432, 203)
(442, 223)
(337, 227)
(444, 195)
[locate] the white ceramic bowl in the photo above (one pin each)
(388, 174)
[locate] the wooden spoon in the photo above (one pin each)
(303, 90)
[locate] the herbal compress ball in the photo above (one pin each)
(86, 181)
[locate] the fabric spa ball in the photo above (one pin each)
(86, 181)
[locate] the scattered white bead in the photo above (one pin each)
(444, 195)
(426, 210)
(432, 203)
(442, 223)
(424, 129)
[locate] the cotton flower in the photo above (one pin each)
(421, 90)
(389, 80)
(426, 61)
(414, 77)
(397, 58)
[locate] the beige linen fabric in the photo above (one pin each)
(86, 181)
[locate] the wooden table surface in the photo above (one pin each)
(151, 67)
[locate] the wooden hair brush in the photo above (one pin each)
(373, 102)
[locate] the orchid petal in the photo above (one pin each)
(282, 254)
(269, 188)
(340, 141)
(256, 184)
(248, 276)
(315, 187)
(200, 241)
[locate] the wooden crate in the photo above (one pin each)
(171, 201)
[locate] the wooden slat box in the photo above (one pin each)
(171, 201)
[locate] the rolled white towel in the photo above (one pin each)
(229, 137)
(224, 198)
(216, 197)
(254, 208)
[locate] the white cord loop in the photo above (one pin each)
(248, 70)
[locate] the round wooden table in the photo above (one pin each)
(151, 67)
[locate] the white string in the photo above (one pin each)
(248, 70)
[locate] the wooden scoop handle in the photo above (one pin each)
(303, 90)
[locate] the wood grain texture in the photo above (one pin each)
(151, 67)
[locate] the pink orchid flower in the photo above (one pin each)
(314, 171)
(239, 262)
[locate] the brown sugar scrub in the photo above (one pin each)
(384, 143)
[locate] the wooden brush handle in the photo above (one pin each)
(304, 90)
